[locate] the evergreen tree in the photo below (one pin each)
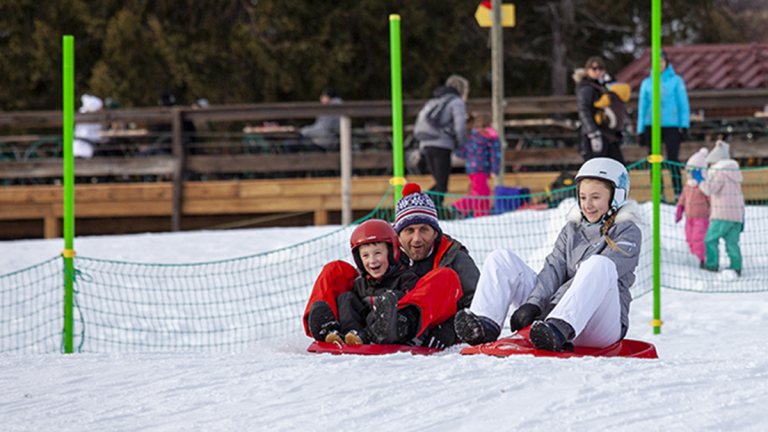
(251, 51)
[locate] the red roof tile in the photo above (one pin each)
(705, 67)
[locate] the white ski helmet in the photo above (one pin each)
(614, 172)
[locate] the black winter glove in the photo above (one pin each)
(440, 337)
(684, 135)
(524, 316)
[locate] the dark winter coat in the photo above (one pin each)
(451, 254)
(587, 93)
(399, 279)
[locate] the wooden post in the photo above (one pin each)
(346, 170)
(51, 226)
(497, 81)
(178, 172)
(321, 217)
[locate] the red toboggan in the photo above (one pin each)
(517, 344)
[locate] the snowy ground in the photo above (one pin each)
(712, 373)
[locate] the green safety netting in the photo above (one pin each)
(230, 304)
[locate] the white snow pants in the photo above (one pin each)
(591, 305)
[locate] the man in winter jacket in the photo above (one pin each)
(447, 280)
(448, 275)
(323, 134)
(675, 117)
(590, 86)
(441, 126)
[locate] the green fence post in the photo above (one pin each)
(69, 190)
(656, 161)
(398, 179)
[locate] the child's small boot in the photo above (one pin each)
(321, 321)
(475, 330)
(355, 337)
(334, 336)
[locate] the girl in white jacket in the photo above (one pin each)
(581, 296)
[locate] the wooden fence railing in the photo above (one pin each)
(317, 195)
(179, 162)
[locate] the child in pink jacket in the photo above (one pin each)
(722, 184)
(695, 205)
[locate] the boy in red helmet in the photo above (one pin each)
(376, 251)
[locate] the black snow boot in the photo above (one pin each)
(549, 337)
(383, 330)
(408, 323)
(475, 330)
(321, 321)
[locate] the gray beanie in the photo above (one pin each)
(720, 152)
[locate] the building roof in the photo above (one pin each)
(708, 67)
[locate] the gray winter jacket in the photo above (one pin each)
(451, 129)
(577, 242)
(325, 130)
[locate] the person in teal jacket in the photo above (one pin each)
(675, 117)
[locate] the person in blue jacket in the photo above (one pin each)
(675, 117)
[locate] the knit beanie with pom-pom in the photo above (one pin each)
(415, 207)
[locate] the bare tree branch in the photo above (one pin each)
(596, 23)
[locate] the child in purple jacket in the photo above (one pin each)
(483, 155)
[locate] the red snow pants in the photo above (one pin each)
(435, 294)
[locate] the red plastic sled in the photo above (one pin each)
(521, 344)
(374, 349)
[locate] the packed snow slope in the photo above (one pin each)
(712, 373)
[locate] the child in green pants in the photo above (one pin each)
(722, 184)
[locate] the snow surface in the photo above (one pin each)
(712, 373)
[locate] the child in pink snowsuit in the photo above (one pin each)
(483, 155)
(695, 205)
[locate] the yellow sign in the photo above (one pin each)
(484, 15)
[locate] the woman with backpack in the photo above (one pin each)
(441, 126)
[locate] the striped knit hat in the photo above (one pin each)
(415, 207)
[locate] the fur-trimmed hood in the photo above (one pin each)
(578, 75)
(629, 212)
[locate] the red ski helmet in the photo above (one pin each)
(373, 231)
